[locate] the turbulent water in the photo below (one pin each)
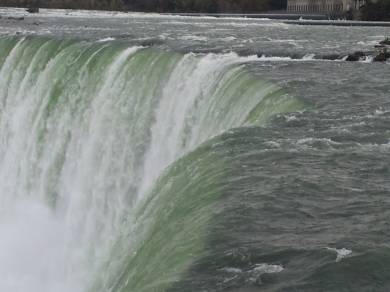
(143, 152)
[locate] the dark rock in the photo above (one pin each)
(386, 41)
(382, 57)
(356, 56)
(360, 54)
(352, 57)
(330, 57)
(33, 10)
(14, 18)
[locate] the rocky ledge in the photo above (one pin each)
(33, 9)
(379, 54)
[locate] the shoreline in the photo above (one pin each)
(276, 16)
(339, 23)
(287, 18)
(298, 19)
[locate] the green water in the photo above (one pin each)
(95, 140)
(155, 153)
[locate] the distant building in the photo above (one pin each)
(324, 5)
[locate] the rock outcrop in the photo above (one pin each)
(33, 9)
(382, 57)
(356, 56)
(386, 41)
(15, 18)
(380, 53)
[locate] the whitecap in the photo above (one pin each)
(263, 268)
(273, 144)
(290, 118)
(193, 38)
(341, 253)
(107, 39)
(308, 57)
(232, 270)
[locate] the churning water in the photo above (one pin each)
(160, 153)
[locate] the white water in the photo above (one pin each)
(31, 249)
(73, 166)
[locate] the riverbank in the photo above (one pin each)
(299, 19)
(280, 16)
(293, 18)
(339, 23)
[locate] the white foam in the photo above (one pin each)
(308, 57)
(263, 268)
(193, 38)
(368, 43)
(367, 59)
(312, 140)
(273, 144)
(229, 39)
(290, 118)
(232, 270)
(31, 244)
(107, 39)
(379, 111)
(341, 253)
